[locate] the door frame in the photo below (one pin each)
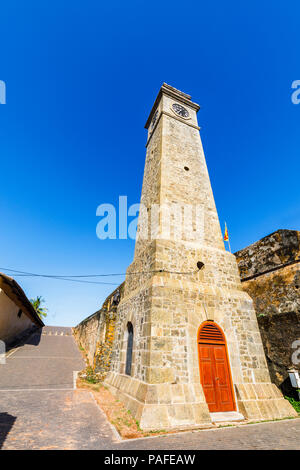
(224, 342)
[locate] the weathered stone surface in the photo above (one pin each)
(272, 251)
(278, 333)
(86, 333)
(170, 298)
(166, 298)
(96, 334)
(275, 291)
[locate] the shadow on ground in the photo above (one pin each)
(6, 423)
(33, 337)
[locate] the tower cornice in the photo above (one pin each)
(176, 95)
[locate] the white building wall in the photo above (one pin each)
(10, 324)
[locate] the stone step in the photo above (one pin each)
(226, 416)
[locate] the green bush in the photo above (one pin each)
(90, 376)
(294, 403)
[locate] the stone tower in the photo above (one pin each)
(187, 343)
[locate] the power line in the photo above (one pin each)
(66, 279)
(100, 275)
(72, 278)
(60, 278)
(59, 275)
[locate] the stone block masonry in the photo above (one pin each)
(86, 334)
(155, 370)
(96, 334)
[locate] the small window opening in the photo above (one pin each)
(129, 348)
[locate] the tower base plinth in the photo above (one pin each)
(171, 406)
(263, 401)
(160, 406)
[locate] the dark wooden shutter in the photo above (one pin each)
(210, 333)
(129, 349)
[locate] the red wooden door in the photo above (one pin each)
(215, 372)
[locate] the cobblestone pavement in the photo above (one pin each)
(46, 360)
(39, 408)
(264, 436)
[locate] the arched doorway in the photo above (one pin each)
(214, 367)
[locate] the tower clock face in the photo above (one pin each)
(180, 110)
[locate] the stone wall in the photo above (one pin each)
(86, 334)
(270, 273)
(273, 251)
(106, 336)
(96, 334)
(278, 333)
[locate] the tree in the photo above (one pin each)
(36, 303)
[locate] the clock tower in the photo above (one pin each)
(187, 347)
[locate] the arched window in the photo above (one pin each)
(210, 332)
(129, 348)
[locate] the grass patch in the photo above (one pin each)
(295, 403)
(118, 415)
(127, 426)
(90, 376)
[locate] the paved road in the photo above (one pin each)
(265, 436)
(47, 360)
(39, 408)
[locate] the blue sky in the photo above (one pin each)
(81, 78)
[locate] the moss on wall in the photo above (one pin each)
(272, 262)
(96, 334)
